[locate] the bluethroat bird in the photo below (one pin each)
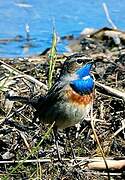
(70, 99)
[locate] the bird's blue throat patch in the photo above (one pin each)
(83, 86)
(85, 82)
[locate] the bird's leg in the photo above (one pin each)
(83, 126)
(36, 115)
(70, 143)
(56, 142)
(78, 126)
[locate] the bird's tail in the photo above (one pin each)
(23, 99)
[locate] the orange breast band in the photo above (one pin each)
(79, 99)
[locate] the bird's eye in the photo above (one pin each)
(79, 61)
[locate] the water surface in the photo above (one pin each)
(68, 17)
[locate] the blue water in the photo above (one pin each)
(68, 17)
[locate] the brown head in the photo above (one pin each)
(74, 62)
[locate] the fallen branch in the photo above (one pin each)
(85, 162)
(110, 91)
(112, 165)
(25, 76)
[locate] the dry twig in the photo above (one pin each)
(108, 16)
(111, 91)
